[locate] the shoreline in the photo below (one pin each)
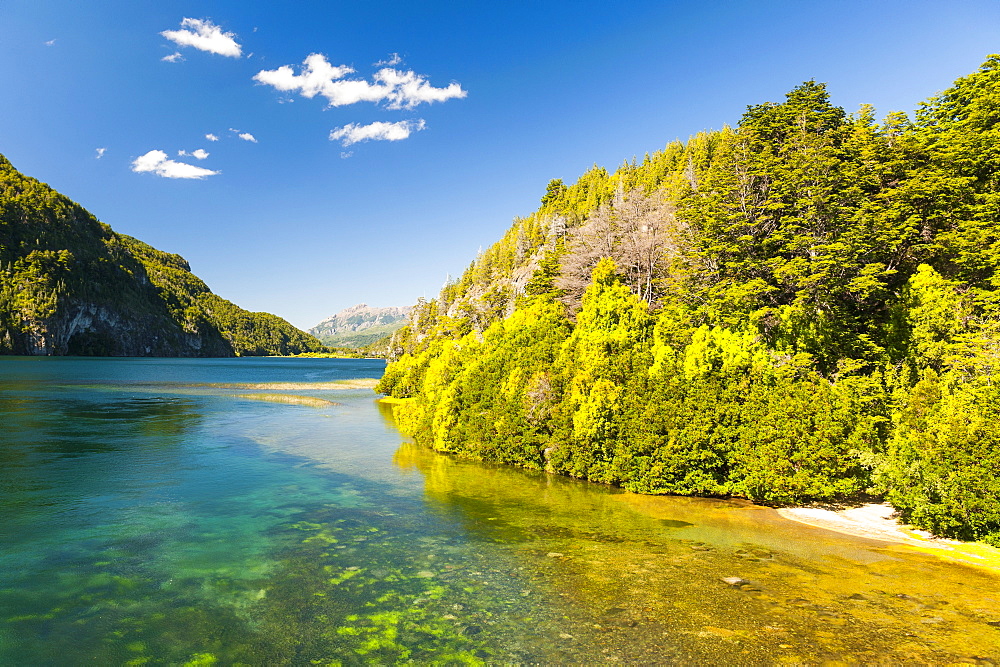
(877, 521)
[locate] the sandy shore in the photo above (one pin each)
(878, 522)
(873, 521)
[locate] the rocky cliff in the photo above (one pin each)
(360, 325)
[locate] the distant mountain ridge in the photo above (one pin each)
(69, 284)
(360, 325)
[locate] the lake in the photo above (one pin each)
(266, 511)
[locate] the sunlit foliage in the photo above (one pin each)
(803, 307)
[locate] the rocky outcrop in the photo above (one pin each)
(360, 325)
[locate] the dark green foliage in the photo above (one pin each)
(797, 441)
(805, 307)
(943, 464)
(71, 285)
(553, 192)
(672, 441)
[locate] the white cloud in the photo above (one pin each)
(410, 89)
(245, 136)
(158, 163)
(378, 131)
(173, 57)
(51, 42)
(200, 153)
(394, 59)
(100, 153)
(318, 77)
(205, 36)
(211, 137)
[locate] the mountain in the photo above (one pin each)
(360, 325)
(804, 307)
(69, 284)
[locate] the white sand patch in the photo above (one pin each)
(873, 521)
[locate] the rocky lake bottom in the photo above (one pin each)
(266, 511)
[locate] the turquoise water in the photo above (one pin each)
(266, 511)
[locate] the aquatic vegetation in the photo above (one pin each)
(356, 383)
(157, 528)
(289, 399)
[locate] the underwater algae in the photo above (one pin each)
(170, 524)
(705, 580)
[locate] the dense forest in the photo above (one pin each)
(804, 307)
(70, 285)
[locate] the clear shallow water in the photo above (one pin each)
(163, 511)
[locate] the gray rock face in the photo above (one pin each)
(360, 317)
(101, 330)
(359, 325)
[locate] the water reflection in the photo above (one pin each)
(149, 515)
(666, 578)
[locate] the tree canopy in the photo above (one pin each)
(802, 307)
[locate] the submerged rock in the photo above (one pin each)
(735, 582)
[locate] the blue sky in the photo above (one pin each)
(494, 99)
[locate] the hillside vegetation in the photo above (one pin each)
(803, 307)
(70, 285)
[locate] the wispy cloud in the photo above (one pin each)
(377, 131)
(245, 136)
(391, 61)
(100, 153)
(173, 57)
(211, 137)
(51, 42)
(200, 153)
(205, 36)
(398, 89)
(410, 89)
(158, 163)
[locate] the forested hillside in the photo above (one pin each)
(71, 285)
(803, 307)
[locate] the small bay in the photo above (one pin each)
(266, 511)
